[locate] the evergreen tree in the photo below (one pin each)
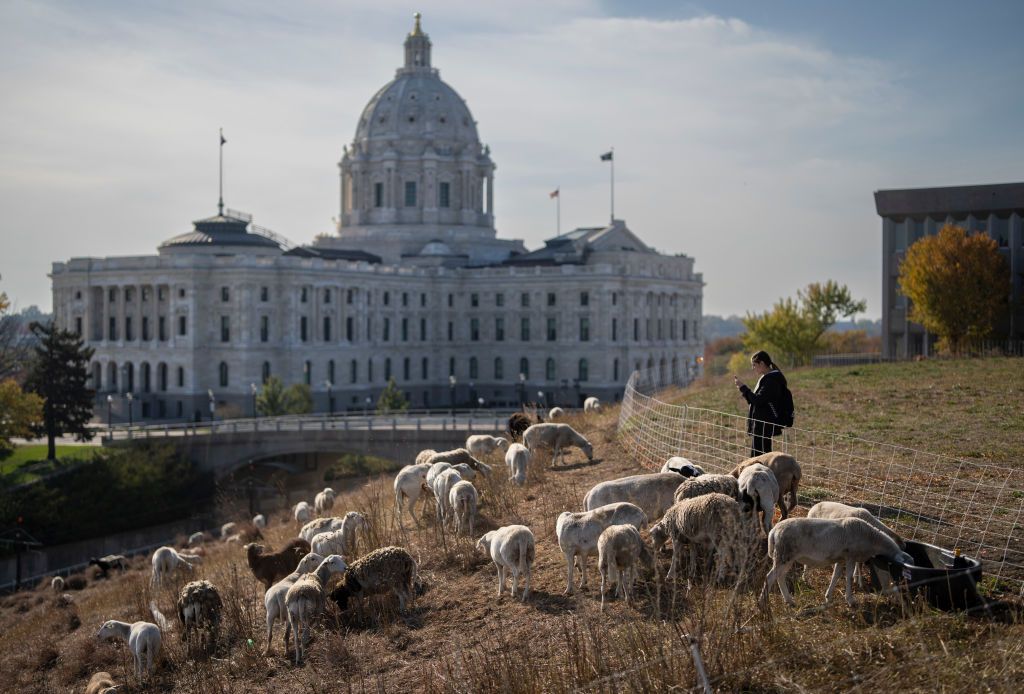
(299, 398)
(271, 401)
(392, 399)
(58, 375)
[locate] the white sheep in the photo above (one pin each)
(555, 413)
(463, 500)
(305, 599)
(330, 542)
(653, 492)
(319, 525)
(323, 501)
(228, 529)
(197, 538)
(259, 521)
(824, 541)
(760, 489)
(711, 520)
(469, 473)
(166, 560)
(481, 445)
(708, 484)
(592, 404)
(443, 484)
(350, 523)
(787, 473)
(834, 509)
(556, 437)
(434, 470)
(409, 483)
(273, 599)
(578, 533)
(517, 458)
(57, 585)
(619, 549)
(143, 641)
(682, 466)
(303, 512)
(512, 548)
(424, 455)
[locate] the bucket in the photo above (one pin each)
(945, 586)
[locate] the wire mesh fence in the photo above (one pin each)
(946, 501)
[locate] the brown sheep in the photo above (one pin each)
(385, 569)
(787, 473)
(270, 567)
(199, 611)
(100, 683)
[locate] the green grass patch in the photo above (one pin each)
(29, 462)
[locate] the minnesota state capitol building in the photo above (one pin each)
(415, 285)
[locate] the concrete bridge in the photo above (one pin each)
(223, 447)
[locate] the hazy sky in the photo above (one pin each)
(749, 135)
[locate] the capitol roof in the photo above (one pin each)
(220, 230)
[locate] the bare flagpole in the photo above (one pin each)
(558, 209)
(220, 199)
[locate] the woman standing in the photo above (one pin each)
(764, 401)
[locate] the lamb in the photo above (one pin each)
(592, 404)
(787, 473)
(323, 501)
(303, 512)
(273, 599)
(481, 445)
(512, 548)
(166, 560)
(305, 600)
(409, 483)
(57, 585)
(385, 569)
(143, 641)
(259, 521)
(619, 548)
(424, 455)
(759, 488)
(708, 484)
(578, 533)
(101, 683)
(517, 458)
(111, 561)
(270, 567)
(556, 413)
(556, 437)
(711, 520)
(463, 500)
(653, 492)
(457, 456)
(199, 612)
(443, 484)
(682, 466)
(824, 541)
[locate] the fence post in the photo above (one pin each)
(698, 664)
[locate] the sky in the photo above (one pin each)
(749, 135)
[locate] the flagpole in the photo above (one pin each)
(220, 199)
(613, 185)
(558, 208)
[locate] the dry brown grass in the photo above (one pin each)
(457, 637)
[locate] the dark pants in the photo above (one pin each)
(762, 439)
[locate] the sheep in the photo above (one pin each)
(323, 501)
(305, 599)
(199, 612)
(424, 455)
(384, 569)
(619, 548)
(303, 512)
(833, 509)
(443, 484)
(259, 521)
(101, 683)
(517, 458)
(166, 560)
(653, 492)
(353, 520)
(463, 500)
(273, 599)
(682, 466)
(592, 404)
(409, 483)
(759, 489)
(556, 437)
(824, 541)
(111, 561)
(707, 484)
(469, 474)
(270, 567)
(555, 413)
(196, 539)
(518, 423)
(319, 525)
(331, 542)
(512, 548)
(57, 585)
(143, 641)
(481, 445)
(434, 470)
(787, 473)
(246, 532)
(711, 520)
(457, 456)
(578, 533)
(228, 529)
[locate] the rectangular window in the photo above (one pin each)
(423, 300)
(615, 329)
(474, 300)
(423, 329)
(304, 295)
(303, 328)
(661, 331)
(524, 300)
(636, 329)
(672, 329)
(499, 329)
(406, 369)
(684, 331)
(410, 193)
(405, 330)
(264, 293)
(264, 328)
(551, 298)
(524, 329)
(387, 329)
(182, 325)
(160, 294)
(349, 329)
(499, 299)
(552, 331)
(584, 298)
(225, 328)
(225, 294)
(78, 325)
(647, 324)
(327, 328)
(405, 298)
(474, 329)
(387, 298)
(584, 329)
(181, 377)
(145, 293)
(444, 196)
(128, 328)
(161, 328)
(112, 295)
(349, 296)
(423, 368)
(353, 371)
(451, 331)
(615, 302)
(378, 195)
(145, 328)
(327, 296)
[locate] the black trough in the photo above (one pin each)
(947, 581)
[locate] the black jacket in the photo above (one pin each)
(764, 403)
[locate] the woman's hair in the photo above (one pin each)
(762, 357)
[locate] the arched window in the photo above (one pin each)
(265, 373)
(473, 368)
(524, 367)
(499, 369)
(549, 369)
(584, 370)
(223, 375)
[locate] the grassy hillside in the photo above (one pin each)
(459, 637)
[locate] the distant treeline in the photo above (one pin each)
(715, 327)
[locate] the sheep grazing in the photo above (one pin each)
(143, 641)
(457, 456)
(101, 683)
(353, 521)
(511, 548)
(273, 599)
(759, 489)
(434, 470)
(57, 584)
(708, 484)
(787, 473)
(330, 542)
(319, 525)
(556, 413)
(517, 458)
(303, 512)
(517, 424)
(382, 570)
(270, 567)
(481, 445)
(167, 560)
(592, 404)
(578, 534)
(824, 541)
(556, 437)
(653, 492)
(443, 484)
(463, 500)
(619, 549)
(682, 466)
(323, 501)
(196, 539)
(305, 600)
(111, 561)
(834, 510)
(341, 541)
(409, 483)
(711, 520)
(228, 529)
(199, 612)
(259, 521)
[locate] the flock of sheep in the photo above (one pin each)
(704, 516)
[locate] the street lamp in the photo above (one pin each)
(480, 402)
(128, 397)
(368, 401)
(330, 398)
(451, 390)
(110, 406)
(540, 397)
(521, 387)
(213, 404)
(253, 389)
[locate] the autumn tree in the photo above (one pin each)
(793, 328)
(12, 348)
(958, 285)
(21, 412)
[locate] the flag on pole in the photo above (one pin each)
(607, 156)
(222, 140)
(554, 193)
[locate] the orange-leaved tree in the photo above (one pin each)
(958, 284)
